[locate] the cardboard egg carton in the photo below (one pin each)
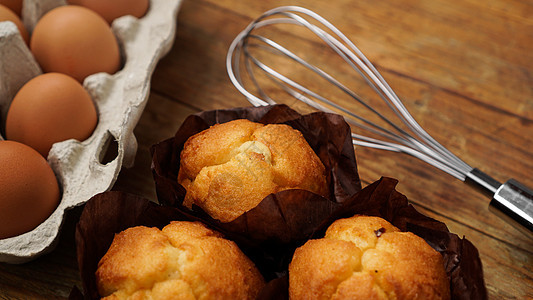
(84, 168)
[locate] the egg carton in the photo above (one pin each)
(84, 168)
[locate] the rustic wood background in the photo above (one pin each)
(463, 69)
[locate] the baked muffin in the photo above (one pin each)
(367, 258)
(229, 168)
(184, 260)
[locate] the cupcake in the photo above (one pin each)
(366, 257)
(231, 167)
(258, 173)
(184, 260)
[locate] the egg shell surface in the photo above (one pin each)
(50, 108)
(29, 189)
(76, 41)
(14, 5)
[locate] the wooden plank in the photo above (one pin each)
(160, 121)
(463, 70)
(51, 276)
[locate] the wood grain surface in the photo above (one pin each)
(464, 70)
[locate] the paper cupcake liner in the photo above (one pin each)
(112, 212)
(271, 232)
(105, 215)
(282, 220)
(380, 199)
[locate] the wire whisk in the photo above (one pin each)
(512, 198)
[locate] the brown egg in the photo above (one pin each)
(50, 108)
(30, 192)
(75, 41)
(7, 14)
(111, 10)
(14, 5)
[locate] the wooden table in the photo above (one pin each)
(465, 71)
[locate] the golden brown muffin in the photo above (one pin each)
(184, 260)
(229, 168)
(367, 258)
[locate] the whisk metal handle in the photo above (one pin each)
(512, 200)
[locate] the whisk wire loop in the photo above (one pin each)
(423, 146)
(286, 84)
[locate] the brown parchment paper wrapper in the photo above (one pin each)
(105, 215)
(288, 223)
(461, 258)
(281, 220)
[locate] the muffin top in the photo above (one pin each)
(229, 168)
(184, 260)
(366, 257)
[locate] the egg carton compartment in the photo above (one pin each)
(86, 168)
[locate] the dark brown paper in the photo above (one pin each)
(461, 258)
(327, 134)
(109, 213)
(105, 215)
(281, 220)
